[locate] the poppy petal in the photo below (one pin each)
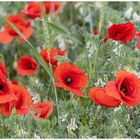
(5, 38)
(138, 35)
(138, 44)
(6, 108)
(27, 33)
(99, 96)
(111, 90)
(3, 70)
(7, 98)
(75, 91)
(23, 111)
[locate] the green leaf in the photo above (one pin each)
(56, 27)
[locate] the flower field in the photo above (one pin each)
(69, 70)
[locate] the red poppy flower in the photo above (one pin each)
(121, 32)
(43, 110)
(3, 70)
(70, 77)
(99, 96)
(32, 10)
(6, 95)
(125, 88)
(22, 103)
(24, 99)
(53, 53)
(26, 66)
(8, 34)
(52, 6)
(138, 36)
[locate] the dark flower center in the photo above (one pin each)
(117, 33)
(1, 87)
(30, 66)
(68, 80)
(124, 89)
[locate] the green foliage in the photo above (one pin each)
(73, 117)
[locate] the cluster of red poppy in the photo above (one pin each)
(69, 76)
(17, 96)
(27, 66)
(13, 95)
(124, 89)
(32, 10)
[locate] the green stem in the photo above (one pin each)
(57, 104)
(104, 6)
(95, 60)
(94, 68)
